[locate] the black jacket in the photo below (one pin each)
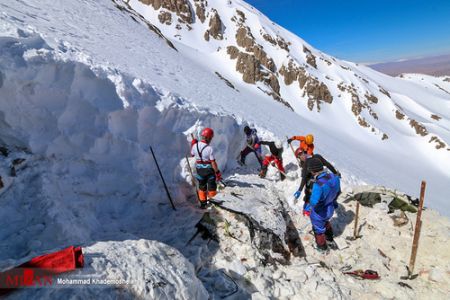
(307, 176)
(273, 149)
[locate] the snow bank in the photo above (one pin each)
(144, 269)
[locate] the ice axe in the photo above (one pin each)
(293, 151)
(355, 230)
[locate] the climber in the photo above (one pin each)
(275, 157)
(307, 177)
(207, 170)
(306, 144)
(325, 190)
(252, 145)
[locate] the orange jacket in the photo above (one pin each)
(303, 145)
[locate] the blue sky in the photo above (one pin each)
(366, 30)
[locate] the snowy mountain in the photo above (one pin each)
(353, 103)
(87, 86)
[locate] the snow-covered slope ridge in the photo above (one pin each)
(387, 121)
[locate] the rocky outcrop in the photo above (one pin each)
(439, 144)
(165, 17)
(182, 8)
(289, 72)
(310, 58)
(435, 117)
(385, 137)
(245, 39)
(384, 91)
(226, 81)
(399, 115)
(420, 129)
(316, 91)
(215, 27)
(200, 10)
(233, 52)
(371, 98)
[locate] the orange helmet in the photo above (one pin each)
(309, 139)
(207, 133)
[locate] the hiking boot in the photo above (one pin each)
(332, 245)
(329, 232)
(262, 173)
(322, 250)
(321, 241)
(282, 177)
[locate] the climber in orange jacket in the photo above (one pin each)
(306, 144)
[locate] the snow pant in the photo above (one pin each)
(320, 221)
(247, 150)
(207, 186)
(273, 159)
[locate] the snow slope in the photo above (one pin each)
(87, 86)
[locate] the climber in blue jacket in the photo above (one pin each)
(325, 190)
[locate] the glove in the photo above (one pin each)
(193, 142)
(218, 176)
(289, 141)
(297, 194)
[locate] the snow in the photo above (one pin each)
(86, 90)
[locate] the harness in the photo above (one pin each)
(201, 163)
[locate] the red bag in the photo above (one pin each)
(58, 262)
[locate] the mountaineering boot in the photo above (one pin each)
(202, 197)
(321, 242)
(282, 177)
(329, 232)
(263, 172)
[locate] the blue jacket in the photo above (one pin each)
(325, 191)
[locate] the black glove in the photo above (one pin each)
(289, 141)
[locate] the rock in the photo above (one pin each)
(165, 17)
(180, 7)
(420, 129)
(200, 10)
(237, 267)
(216, 26)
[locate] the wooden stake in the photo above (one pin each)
(355, 231)
(415, 244)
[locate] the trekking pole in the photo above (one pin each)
(355, 231)
(415, 244)
(293, 152)
(162, 178)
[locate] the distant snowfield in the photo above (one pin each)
(85, 90)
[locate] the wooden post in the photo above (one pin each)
(355, 231)
(415, 244)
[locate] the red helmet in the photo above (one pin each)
(207, 133)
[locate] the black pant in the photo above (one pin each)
(206, 179)
(247, 150)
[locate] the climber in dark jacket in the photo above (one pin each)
(307, 176)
